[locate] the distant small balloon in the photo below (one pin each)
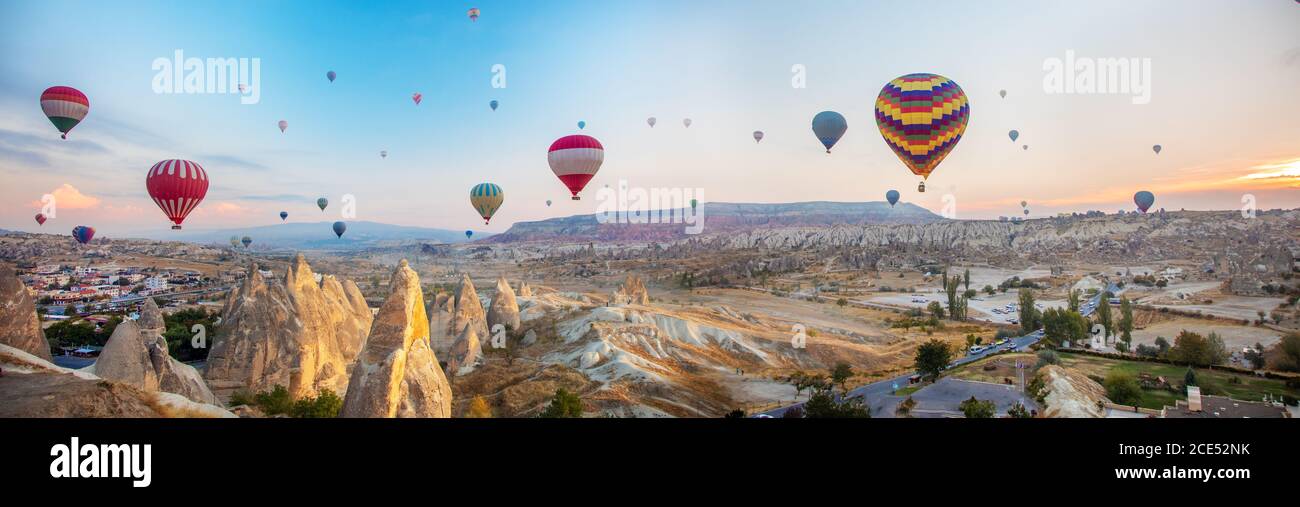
(892, 196)
(383, 154)
(473, 14)
(1026, 211)
(284, 215)
(283, 125)
(322, 203)
(340, 228)
(1003, 93)
(1025, 147)
(234, 241)
(83, 234)
(493, 105)
(582, 124)
(758, 135)
(1024, 203)
(40, 219)
(246, 241)
(548, 203)
(694, 203)
(469, 234)
(331, 75)
(1014, 134)
(687, 122)
(651, 120)
(1157, 147)
(417, 97)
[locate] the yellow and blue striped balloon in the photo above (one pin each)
(486, 198)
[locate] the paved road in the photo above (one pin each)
(881, 394)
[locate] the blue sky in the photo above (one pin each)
(1223, 82)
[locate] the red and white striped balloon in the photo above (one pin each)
(177, 187)
(575, 160)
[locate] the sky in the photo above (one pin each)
(1222, 105)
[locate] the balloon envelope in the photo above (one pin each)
(1014, 134)
(829, 126)
(331, 75)
(417, 97)
(548, 203)
(383, 154)
(651, 120)
(892, 196)
(340, 228)
(40, 218)
(177, 187)
(283, 125)
(575, 160)
(687, 122)
(1003, 93)
(758, 135)
(246, 241)
(582, 124)
(83, 234)
(65, 106)
(1144, 200)
(473, 14)
(922, 117)
(234, 241)
(322, 203)
(486, 198)
(468, 234)
(1156, 149)
(284, 215)
(493, 105)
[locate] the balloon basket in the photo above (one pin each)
(176, 227)
(576, 198)
(921, 187)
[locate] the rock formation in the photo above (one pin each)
(397, 374)
(137, 354)
(465, 353)
(452, 315)
(631, 292)
(524, 290)
(299, 334)
(440, 317)
(504, 309)
(19, 325)
(34, 387)
(469, 310)
(1071, 394)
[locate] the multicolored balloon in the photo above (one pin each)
(331, 75)
(65, 106)
(234, 241)
(417, 97)
(283, 125)
(493, 105)
(829, 127)
(922, 117)
(575, 160)
(651, 120)
(892, 196)
(340, 228)
(322, 203)
(1144, 200)
(83, 234)
(40, 219)
(486, 198)
(473, 14)
(284, 215)
(177, 187)
(246, 241)
(758, 136)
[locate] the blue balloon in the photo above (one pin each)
(582, 124)
(468, 234)
(1144, 200)
(829, 126)
(892, 197)
(340, 228)
(1014, 134)
(284, 215)
(493, 104)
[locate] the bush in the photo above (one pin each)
(1046, 357)
(565, 405)
(326, 404)
(1122, 388)
(978, 409)
(275, 402)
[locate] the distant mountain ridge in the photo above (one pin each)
(314, 235)
(721, 217)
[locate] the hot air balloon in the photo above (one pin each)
(758, 135)
(473, 14)
(575, 160)
(694, 203)
(1014, 134)
(283, 125)
(246, 241)
(468, 234)
(892, 196)
(922, 117)
(340, 228)
(284, 215)
(40, 219)
(1144, 200)
(322, 203)
(331, 75)
(582, 124)
(65, 106)
(83, 234)
(829, 126)
(486, 198)
(1025, 147)
(1026, 211)
(651, 120)
(1003, 93)
(493, 105)
(234, 241)
(548, 203)
(417, 98)
(177, 187)
(383, 154)
(687, 122)
(1156, 149)
(1024, 203)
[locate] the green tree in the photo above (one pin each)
(1122, 388)
(1288, 353)
(932, 357)
(1104, 316)
(1046, 357)
(841, 302)
(1196, 350)
(1074, 300)
(325, 404)
(1125, 320)
(978, 409)
(936, 309)
(275, 402)
(841, 374)
(966, 279)
(1061, 325)
(1018, 411)
(1030, 318)
(988, 289)
(823, 405)
(564, 405)
(1189, 379)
